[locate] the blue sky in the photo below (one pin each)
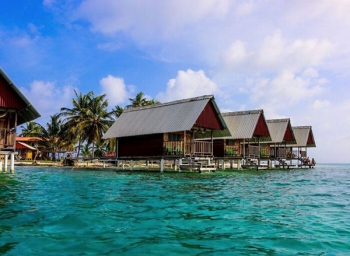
(290, 58)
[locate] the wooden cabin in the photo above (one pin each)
(304, 140)
(15, 110)
(166, 130)
(281, 134)
(248, 131)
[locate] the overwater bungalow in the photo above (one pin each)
(281, 132)
(304, 140)
(248, 130)
(15, 110)
(167, 131)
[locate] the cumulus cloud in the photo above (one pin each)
(276, 53)
(188, 84)
(48, 98)
(116, 90)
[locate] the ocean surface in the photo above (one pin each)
(57, 211)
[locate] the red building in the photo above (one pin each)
(167, 130)
(15, 110)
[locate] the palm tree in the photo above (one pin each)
(101, 148)
(31, 129)
(85, 151)
(96, 120)
(52, 134)
(118, 111)
(75, 116)
(139, 101)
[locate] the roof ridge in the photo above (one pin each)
(204, 97)
(245, 112)
(302, 127)
(278, 120)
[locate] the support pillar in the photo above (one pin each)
(0, 164)
(180, 163)
(161, 165)
(12, 164)
(5, 163)
(231, 164)
(147, 164)
(131, 164)
(223, 164)
(239, 164)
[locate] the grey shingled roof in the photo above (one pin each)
(173, 116)
(278, 128)
(26, 114)
(301, 134)
(240, 124)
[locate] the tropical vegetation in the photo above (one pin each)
(82, 125)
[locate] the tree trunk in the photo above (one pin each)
(93, 150)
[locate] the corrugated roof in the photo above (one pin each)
(28, 113)
(173, 116)
(240, 124)
(302, 134)
(278, 128)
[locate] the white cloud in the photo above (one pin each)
(284, 91)
(276, 53)
(188, 84)
(48, 98)
(144, 19)
(115, 89)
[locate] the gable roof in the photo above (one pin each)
(304, 136)
(175, 116)
(278, 129)
(240, 125)
(27, 112)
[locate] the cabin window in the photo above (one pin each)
(174, 137)
(230, 142)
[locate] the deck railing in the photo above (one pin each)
(264, 152)
(179, 148)
(278, 152)
(174, 148)
(231, 150)
(252, 151)
(7, 138)
(203, 148)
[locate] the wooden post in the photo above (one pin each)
(161, 165)
(131, 164)
(231, 164)
(238, 164)
(0, 164)
(180, 163)
(12, 164)
(184, 148)
(223, 164)
(5, 163)
(147, 164)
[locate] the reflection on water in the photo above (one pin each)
(46, 211)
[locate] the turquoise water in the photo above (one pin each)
(53, 211)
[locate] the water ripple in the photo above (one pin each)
(49, 211)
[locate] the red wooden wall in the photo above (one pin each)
(288, 136)
(261, 128)
(209, 118)
(146, 145)
(8, 97)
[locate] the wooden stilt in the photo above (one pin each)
(0, 164)
(12, 163)
(5, 163)
(131, 164)
(161, 165)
